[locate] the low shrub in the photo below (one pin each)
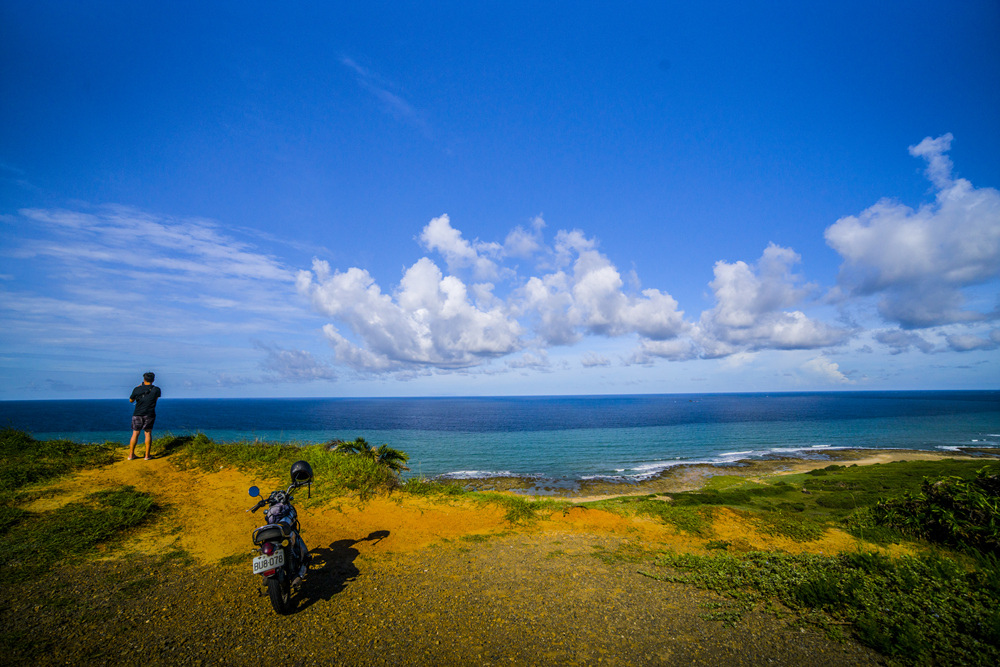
(952, 511)
(335, 472)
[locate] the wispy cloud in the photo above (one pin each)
(130, 282)
(293, 365)
(392, 103)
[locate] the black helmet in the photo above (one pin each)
(302, 472)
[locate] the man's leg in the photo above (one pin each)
(131, 445)
(149, 441)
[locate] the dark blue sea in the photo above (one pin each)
(571, 437)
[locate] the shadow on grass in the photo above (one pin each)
(332, 569)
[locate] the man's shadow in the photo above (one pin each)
(332, 569)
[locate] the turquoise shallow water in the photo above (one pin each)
(557, 437)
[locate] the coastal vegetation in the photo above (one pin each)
(26, 460)
(383, 455)
(927, 609)
(937, 607)
(935, 601)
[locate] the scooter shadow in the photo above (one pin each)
(332, 569)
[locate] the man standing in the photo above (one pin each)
(144, 396)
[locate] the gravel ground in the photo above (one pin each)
(536, 599)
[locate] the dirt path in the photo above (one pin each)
(396, 581)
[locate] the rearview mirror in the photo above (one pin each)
(254, 492)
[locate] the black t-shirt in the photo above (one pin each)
(145, 396)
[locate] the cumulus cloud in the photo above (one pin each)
(588, 298)
(429, 320)
(522, 243)
(918, 261)
(441, 237)
(750, 311)
(434, 320)
(825, 369)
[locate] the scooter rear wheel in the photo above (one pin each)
(280, 595)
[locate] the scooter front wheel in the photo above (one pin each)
(280, 595)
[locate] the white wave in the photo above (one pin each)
(749, 452)
(479, 474)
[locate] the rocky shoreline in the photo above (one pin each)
(691, 476)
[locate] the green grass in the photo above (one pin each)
(937, 608)
(43, 539)
(794, 526)
(685, 518)
(421, 486)
(25, 461)
(517, 509)
(918, 610)
(800, 506)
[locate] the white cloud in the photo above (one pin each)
(439, 236)
(192, 249)
(392, 103)
(523, 243)
(826, 370)
(433, 320)
(593, 360)
(678, 349)
(749, 312)
(590, 299)
(533, 360)
(919, 260)
(428, 321)
(117, 273)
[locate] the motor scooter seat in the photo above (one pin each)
(274, 532)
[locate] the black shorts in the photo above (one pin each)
(143, 422)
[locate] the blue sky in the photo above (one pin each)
(393, 199)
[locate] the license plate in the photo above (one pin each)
(265, 563)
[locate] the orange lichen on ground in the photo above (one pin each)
(205, 515)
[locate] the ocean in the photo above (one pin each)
(559, 437)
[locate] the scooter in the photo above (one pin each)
(284, 558)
